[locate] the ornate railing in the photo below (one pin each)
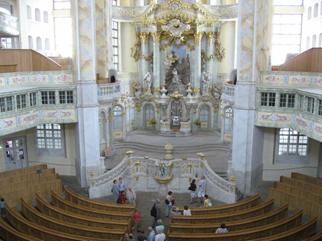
(141, 174)
(127, 13)
(228, 93)
(109, 91)
(8, 24)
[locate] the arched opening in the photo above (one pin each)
(102, 126)
(205, 117)
(149, 116)
(228, 120)
(117, 121)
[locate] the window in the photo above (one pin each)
(292, 142)
(308, 42)
(228, 120)
(37, 15)
(115, 44)
(316, 10)
(47, 46)
(115, 2)
(66, 97)
(287, 100)
(320, 40)
(6, 104)
(320, 107)
(30, 42)
(45, 17)
(33, 99)
(62, 4)
(310, 104)
(48, 97)
(268, 99)
(39, 44)
(49, 136)
(309, 13)
(314, 41)
(29, 12)
(117, 118)
(21, 101)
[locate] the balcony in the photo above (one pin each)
(8, 25)
(107, 92)
(228, 93)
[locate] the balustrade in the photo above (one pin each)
(109, 91)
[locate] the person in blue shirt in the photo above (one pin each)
(151, 235)
(115, 191)
(121, 186)
(2, 207)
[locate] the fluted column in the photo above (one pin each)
(197, 74)
(87, 132)
(210, 51)
(144, 51)
(156, 63)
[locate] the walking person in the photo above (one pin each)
(169, 201)
(193, 190)
(156, 212)
(115, 191)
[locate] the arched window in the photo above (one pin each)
(29, 12)
(316, 10)
(39, 44)
(37, 14)
(314, 41)
(308, 42)
(117, 117)
(309, 13)
(30, 42)
(47, 45)
(204, 116)
(228, 120)
(45, 17)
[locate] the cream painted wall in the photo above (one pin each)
(227, 38)
(272, 171)
(64, 165)
(127, 38)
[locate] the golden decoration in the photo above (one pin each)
(163, 180)
(176, 95)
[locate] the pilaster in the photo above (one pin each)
(156, 62)
(197, 68)
(144, 51)
(211, 62)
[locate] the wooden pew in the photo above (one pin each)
(42, 232)
(43, 206)
(22, 171)
(97, 232)
(300, 184)
(242, 204)
(295, 234)
(60, 202)
(246, 234)
(306, 178)
(77, 198)
(244, 213)
(264, 219)
(317, 237)
(9, 233)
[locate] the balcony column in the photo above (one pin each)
(144, 52)
(247, 148)
(196, 83)
(156, 63)
(211, 61)
(87, 131)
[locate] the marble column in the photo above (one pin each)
(197, 68)
(247, 148)
(156, 63)
(87, 131)
(101, 43)
(144, 52)
(108, 37)
(210, 51)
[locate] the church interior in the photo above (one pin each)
(161, 120)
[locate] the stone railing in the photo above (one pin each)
(8, 24)
(109, 91)
(223, 12)
(141, 173)
(127, 13)
(35, 79)
(228, 93)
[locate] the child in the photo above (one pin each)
(186, 211)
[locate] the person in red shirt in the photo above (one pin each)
(137, 219)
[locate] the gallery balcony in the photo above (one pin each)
(8, 25)
(228, 94)
(107, 92)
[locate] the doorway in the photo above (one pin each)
(15, 153)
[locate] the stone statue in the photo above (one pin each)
(205, 83)
(147, 80)
(175, 77)
(189, 90)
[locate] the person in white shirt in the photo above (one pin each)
(186, 211)
(222, 229)
(131, 196)
(160, 237)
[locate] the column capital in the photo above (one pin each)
(156, 36)
(211, 35)
(143, 36)
(198, 36)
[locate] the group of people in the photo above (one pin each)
(121, 194)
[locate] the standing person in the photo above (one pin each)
(222, 229)
(193, 190)
(202, 188)
(137, 219)
(186, 211)
(121, 186)
(168, 203)
(131, 196)
(151, 234)
(207, 203)
(2, 207)
(156, 211)
(160, 237)
(115, 191)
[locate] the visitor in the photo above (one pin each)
(131, 196)
(131, 237)
(186, 211)
(121, 186)
(207, 203)
(156, 212)
(151, 234)
(193, 188)
(202, 188)
(122, 198)
(175, 211)
(140, 236)
(169, 202)
(2, 207)
(125, 237)
(115, 191)
(137, 219)
(160, 236)
(159, 228)
(222, 229)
